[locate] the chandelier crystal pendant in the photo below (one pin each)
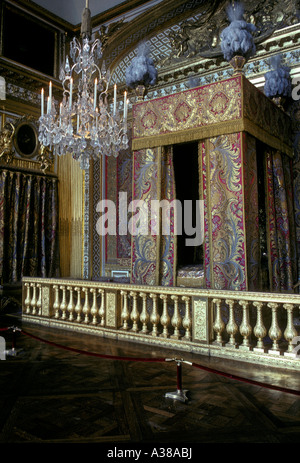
(84, 125)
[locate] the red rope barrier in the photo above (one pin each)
(94, 354)
(141, 359)
(246, 380)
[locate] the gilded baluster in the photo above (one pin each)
(144, 314)
(94, 308)
(134, 313)
(154, 317)
(39, 299)
(63, 304)
(78, 307)
(28, 298)
(231, 326)
(33, 299)
(165, 318)
(259, 329)
(56, 304)
(274, 331)
(125, 314)
(86, 306)
(219, 324)
(176, 319)
(71, 305)
(245, 328)
(102, 307)
(290, 332)
(187, 320)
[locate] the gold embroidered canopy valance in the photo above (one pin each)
(229, 106)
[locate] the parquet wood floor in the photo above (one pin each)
(50, 395)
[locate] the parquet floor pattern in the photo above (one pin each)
(52, 395)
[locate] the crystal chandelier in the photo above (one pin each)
(84, 126)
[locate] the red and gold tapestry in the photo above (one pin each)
(153, 239)
(167, 258)
(144, 257)
(229, 106)
(226, 267)
(228, 118)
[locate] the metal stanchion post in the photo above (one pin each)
(13, 351)
(180, 394)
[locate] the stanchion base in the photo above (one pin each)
(13, 352)
(178, 395)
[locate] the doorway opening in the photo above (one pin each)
(186, 172)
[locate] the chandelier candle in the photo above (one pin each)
(71, 92)
(125, 106)
(95, 94)
(42, 102)
(50, 95)
(115, 99)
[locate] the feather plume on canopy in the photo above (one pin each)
(141, 71)
(278, 80)
(237, 38)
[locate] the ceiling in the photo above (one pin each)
(71, 10)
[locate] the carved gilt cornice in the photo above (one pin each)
(152, 21)
(200, 35)
(195, 52)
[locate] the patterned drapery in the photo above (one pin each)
(225, 231)
(146, 181)
(228, 119)
(28, 225)
(154, 247)
(231, 216)
(280, 222)
(168, 237)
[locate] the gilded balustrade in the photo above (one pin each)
(253, 327)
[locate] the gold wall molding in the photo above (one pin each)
(20, 147)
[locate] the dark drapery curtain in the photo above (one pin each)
(280, 222)
(28, 225)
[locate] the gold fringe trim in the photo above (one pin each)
(268, 139)
(70, 196)
(213, 130)
(64, 215)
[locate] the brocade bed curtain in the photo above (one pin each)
(153, 254)
(28, 225)
(280, 222)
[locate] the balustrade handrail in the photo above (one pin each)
(257, 296)
(217, 322)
